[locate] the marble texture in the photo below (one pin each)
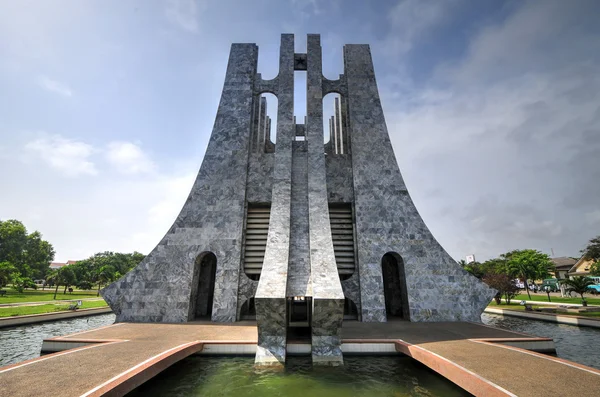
(299, 179)
(272, 286)
(159, 288)
(328, 296)
(387, 220)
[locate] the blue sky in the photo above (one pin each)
(493, 108)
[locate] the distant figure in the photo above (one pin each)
(70, 290)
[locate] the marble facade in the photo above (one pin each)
(297, 179)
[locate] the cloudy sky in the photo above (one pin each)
(493, 108)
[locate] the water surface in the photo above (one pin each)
(579, 344)
(25, 341)
(364, 376)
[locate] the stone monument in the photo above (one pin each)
(297, 234)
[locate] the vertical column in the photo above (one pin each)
(338, 126)
(270, 298)
(260, 133)
(334, 134)
(328, 297)
(255, 123)
(344, 124)
(264, 132)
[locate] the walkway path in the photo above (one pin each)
(118, 358)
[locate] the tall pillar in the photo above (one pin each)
(328, 297)
(270, 298)
(261, 124)
(339, 129)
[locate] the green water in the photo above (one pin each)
(237, 376)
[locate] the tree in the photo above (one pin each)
(105, 267)
(503, 284)
(28, 253)
(21, 283)
(6, 273)
(475, 269)
(595, 269)
(39, 253)
(592, 251)
(579, 285)
(106, 274)
(67, 276)
(528, 264)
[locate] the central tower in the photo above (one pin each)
(299, 273)
(298, 234)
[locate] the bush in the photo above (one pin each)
(504, 285)
(86, 285)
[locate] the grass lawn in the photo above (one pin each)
(517, 306)
(557, 299)
(24, 310)
(13, 296)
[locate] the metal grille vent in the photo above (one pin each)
(342, 234)
(257, 228)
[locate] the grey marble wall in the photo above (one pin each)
(328, 296)
(242, 166)
(299, 275)
(271, 292)
(159, 288)
(260, 178)
(388, 221)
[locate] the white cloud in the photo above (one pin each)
(515, 119)
(184, 14)
(409, 19)
(593, 217)
(70, 157)
(128, 158)
(54, 86)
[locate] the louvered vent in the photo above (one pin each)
(342, 233)
(257, 227)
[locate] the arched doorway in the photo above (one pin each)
(203, 287)
(394, 287)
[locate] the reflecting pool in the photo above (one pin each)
(573, 343)
(359, 376)
(25, 341)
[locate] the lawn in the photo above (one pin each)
(518, 307)
(557, 299)
(49, 308)
(13, 296)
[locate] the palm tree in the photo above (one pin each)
(579, 285)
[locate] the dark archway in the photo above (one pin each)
(350, 310)
(248, 311)
(394, 286)
(203, 287)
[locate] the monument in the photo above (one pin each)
(298, 234)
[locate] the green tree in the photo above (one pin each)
(21, 283)
(67, 277)
(13, 240)
(475, 269)
(6, 273)
(592, 251)
(28, 253)
(105, 267)
(106, 274)
(595, 269)
(579, 285)
(39, 253)
(528, 264)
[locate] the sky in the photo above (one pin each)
(493, 109)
